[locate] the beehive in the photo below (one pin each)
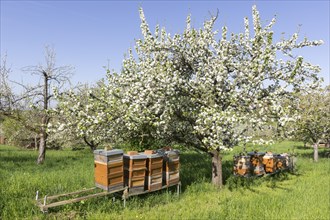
(135, 171)
(108, 169)
(153, 180)
(281, 162)
(270, 162)
(171, 167)
(257, 166)
(289, 160)
(242, 165)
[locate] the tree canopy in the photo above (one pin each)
(203, 90)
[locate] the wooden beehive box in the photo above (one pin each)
(135, 172)
(108, 169)
(281, 162)
(256, 163)
(242, 165)
(153, 180)
(171, 167)
(270, 162)
(287, 158)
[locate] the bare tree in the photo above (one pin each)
(36, 98)
(5, 89)
(41, 95)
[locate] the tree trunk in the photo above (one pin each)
(44, 121)
(316, 151)
(42, 148)
(91, 144)
(217, 168)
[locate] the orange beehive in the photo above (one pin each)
(256, 163)
(153, 179)
(108, 169)
(270, 162)
(281, 162)
(242, 165)
(135, 172)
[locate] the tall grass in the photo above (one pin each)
(302, 195)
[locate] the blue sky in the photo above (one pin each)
(88, 34)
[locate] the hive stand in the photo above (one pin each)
(139, 173)
(44, 205)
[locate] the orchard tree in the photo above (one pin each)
(17, 121)
(41, 95)
(6, 95)
(314, 118)
(34, 99)
(92, 114)
(206, 91)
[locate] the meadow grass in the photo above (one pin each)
(304, 194)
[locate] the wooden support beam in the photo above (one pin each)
(70, 194)
(44, 207)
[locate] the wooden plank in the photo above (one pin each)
(50, 205)
(71, 193)
(74, 200)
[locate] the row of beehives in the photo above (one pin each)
(256, 163)
(140, 172)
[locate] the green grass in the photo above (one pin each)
(302, 195)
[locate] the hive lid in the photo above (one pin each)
(138, 156)
(172, 153)
(155, 155)
(168, 152)
(131, 153)
(108, 152)
(241, 156)
(256, 153)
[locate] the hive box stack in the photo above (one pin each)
(108, 169)
(171, 166)
(281, 162)
(270, 162)
(242, 165)
(256, 163)
(153, 179)
(289, 164)
(135, 171)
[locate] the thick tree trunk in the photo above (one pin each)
(316, 151)
(42, 148)
(217, 168)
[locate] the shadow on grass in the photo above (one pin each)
(272, 181)
(323, 153)
(302, 147)
(197, 167)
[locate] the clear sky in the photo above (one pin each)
(88, 34)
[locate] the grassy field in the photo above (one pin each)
(302, 195)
